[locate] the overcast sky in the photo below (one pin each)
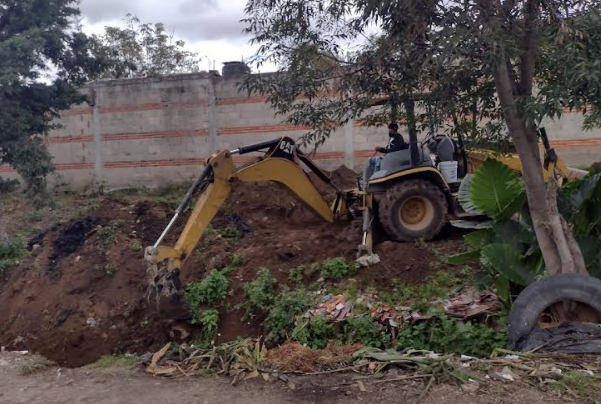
(210, 27)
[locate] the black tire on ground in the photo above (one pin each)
(400, 213)
(537, 297)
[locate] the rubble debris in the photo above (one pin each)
(471, 303)
(333, 308)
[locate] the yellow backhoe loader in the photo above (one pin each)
(407, 195)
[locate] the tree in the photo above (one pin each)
(146, 50)
(476, 62)
(43, 61)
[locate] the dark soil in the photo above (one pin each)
(97, 305)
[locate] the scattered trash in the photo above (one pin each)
(91, 322)
(334, 308)
(471, 303)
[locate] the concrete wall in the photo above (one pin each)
(141, 132)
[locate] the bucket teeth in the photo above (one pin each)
(161, 281)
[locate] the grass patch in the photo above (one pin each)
(11, 251)
(136, 245)
(434, 287)
(119, 361)
(580, 382)
(34, 364)
(443, 334)
(108, 232)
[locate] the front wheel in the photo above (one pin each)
(413, 209)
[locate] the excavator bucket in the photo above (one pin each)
(280, 164)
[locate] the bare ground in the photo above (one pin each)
(115, 386)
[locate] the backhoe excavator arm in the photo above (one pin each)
(214, 186)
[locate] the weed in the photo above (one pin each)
(314, 333)
(34, 216)
(580, 382)
(120, 361)
(230, 232)
(209, 230)
(352, 292)
(297, 275)
(107, 233)
(209, 319)
(281, 318)
(136, 245)
(447, 335)
(261, 291)
(11, 251)
(433, 287)
(337, 268)
(365, 331)
(236, 260)
(209, 291)
(34, 364)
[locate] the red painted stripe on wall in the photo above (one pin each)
(154, 135)
(241, 100)
(70, 139)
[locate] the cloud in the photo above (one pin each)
(191, 20)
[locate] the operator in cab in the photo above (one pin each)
(395, 143)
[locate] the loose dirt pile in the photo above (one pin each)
(81, 295)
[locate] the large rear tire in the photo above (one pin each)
(413, 209)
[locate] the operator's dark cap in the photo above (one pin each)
(393, 126)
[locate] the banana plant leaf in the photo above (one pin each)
(506, 261)
(496, 190)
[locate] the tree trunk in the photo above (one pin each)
(3, 233)
(559, 249)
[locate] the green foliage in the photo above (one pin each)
(33, 216)
(496, 190)
(8, 185)
(261, 291)
(209, 291)
(146, 50)
(209, 319)
(236, 260)
(365, 331)
(136, 245)
(433, 287)
(281, 318)
(108, 232)
(337, 268)
(11, 251)
(43, 62)
(447, 335)
(315, 333)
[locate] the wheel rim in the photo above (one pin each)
(416, 213)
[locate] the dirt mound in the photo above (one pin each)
(82, 293)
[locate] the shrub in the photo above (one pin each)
(261, 291)
(281, 318)
(209, 291)
(314, 333)
(365, 331)
(337, 268)
(209, 319)
(11, 251)
(447, 335)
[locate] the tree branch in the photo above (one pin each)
(529, 48)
